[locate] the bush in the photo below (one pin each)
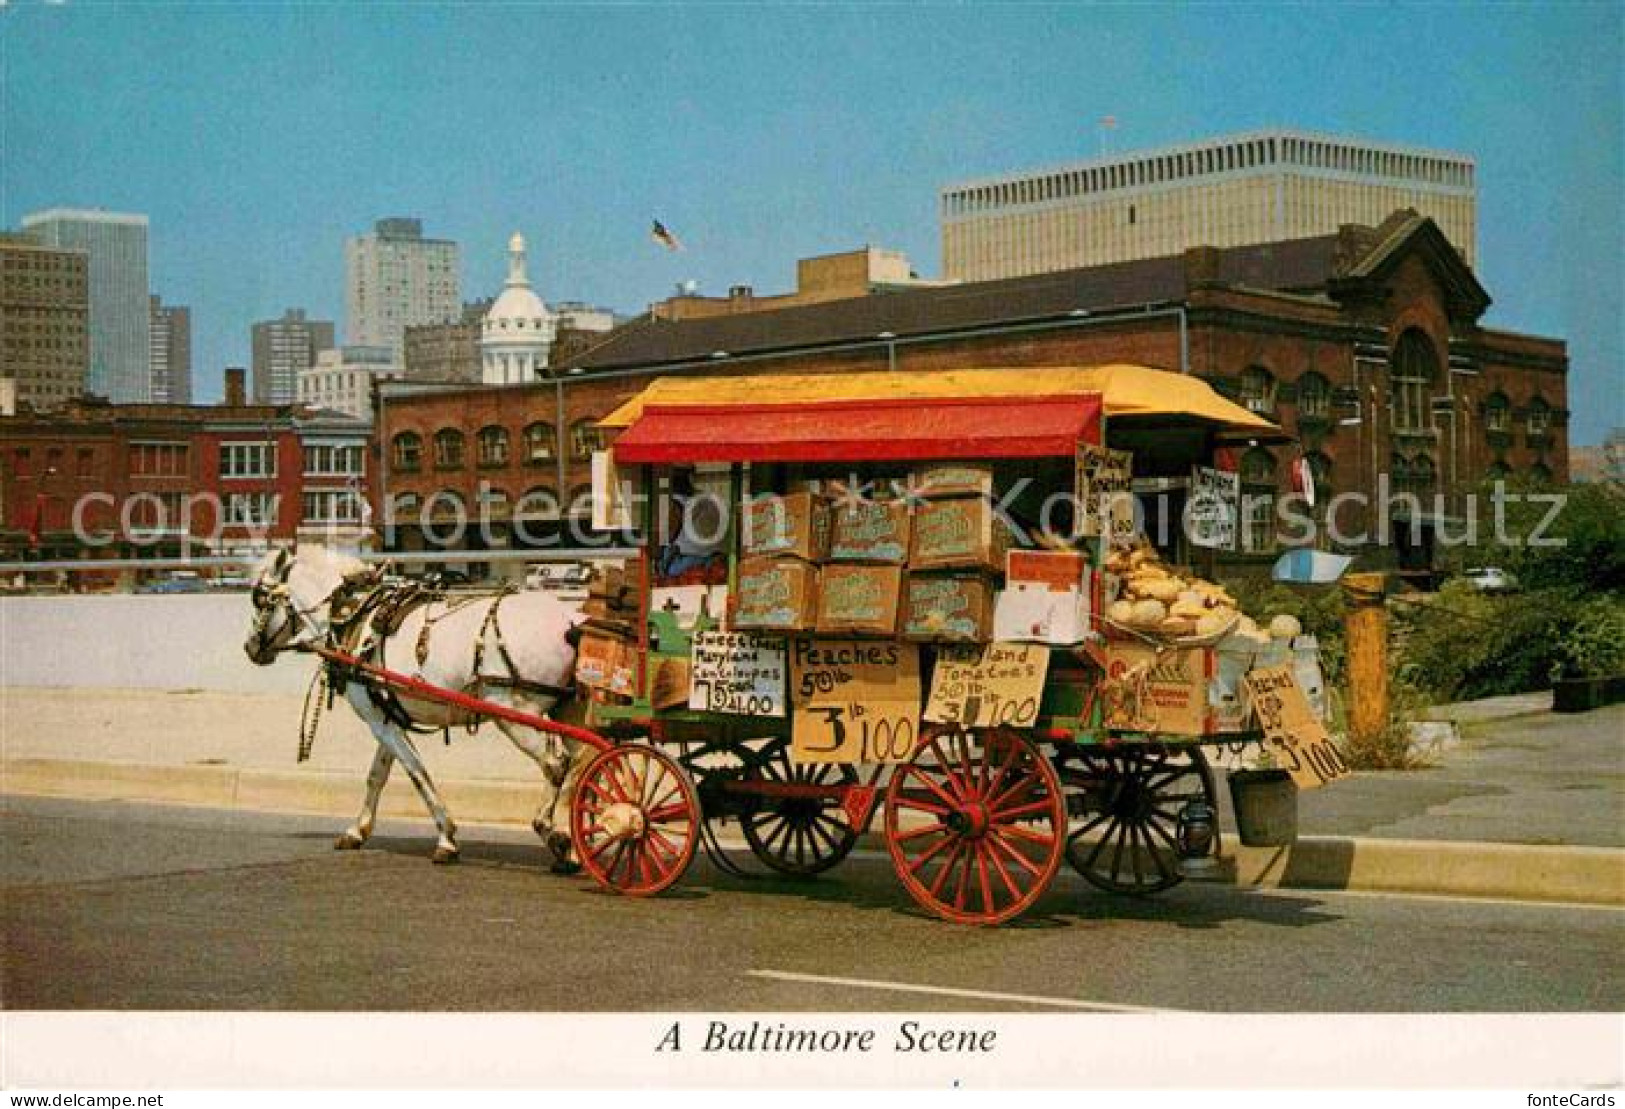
(1582, 549)
(1464, 645)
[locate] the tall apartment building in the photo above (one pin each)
(171, 352)
(1240, 190)
(120, 314)
(283, 349)
(395, 278)
(44, 322)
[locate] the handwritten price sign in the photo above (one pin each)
(988, 686)
(1292, 733)
(855, 700)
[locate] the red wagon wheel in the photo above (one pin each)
(635, 820)
(976, 825)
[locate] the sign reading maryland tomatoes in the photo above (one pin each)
(855, 700)
(988, 685)
(1292, 733)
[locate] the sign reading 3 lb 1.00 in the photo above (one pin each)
(988, 686)
(856, 700)
(1294, 735)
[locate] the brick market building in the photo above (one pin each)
(1366, 344)
(100, 480)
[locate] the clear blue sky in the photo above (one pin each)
(257, 137)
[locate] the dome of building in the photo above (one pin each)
(518, 329)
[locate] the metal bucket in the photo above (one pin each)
(1266, 804)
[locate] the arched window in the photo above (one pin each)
(539, 502)
(539, 443)
(1258, 467)
(406, 451)
(1497, 412)
(1314, 397)
(585, 437)
(1423, 473)
(444, 504)
(494, 503)
(1258, 389)
(1412, 373)
(493, 446)
(448, 449)
(579, 502)
(405, 508)
(1539, 420)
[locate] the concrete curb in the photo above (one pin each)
(1518, 872)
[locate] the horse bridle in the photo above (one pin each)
(267, 598)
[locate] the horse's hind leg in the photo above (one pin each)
(359, 832)
(550, 757)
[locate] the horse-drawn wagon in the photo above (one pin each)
(922, 601)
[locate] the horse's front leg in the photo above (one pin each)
(400, 748)
(359, 832)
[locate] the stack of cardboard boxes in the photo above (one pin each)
(927, 571)
(606, 662)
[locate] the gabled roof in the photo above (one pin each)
(1406, 232)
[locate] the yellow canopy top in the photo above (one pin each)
(1128, 390)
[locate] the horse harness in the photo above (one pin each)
(367, 609)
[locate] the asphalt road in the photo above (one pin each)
(122, 906)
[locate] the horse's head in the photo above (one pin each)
(292, 597)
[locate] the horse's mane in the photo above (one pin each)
(326, 559)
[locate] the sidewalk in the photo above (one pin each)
(1552, 784)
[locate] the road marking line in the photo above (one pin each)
(950, 991)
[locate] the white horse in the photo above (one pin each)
(293, 597)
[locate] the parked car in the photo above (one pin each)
(181, 581)
(1490, 579)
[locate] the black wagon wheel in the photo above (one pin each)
(798, 836)
(1124, 807)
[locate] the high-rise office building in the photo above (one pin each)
(116, 245)
(282, 350)
(395, 278)
(171, 359)
(1239, 190)
(44, 322)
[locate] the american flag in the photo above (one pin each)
(664, 237)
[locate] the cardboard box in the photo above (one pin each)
(951, 479)
(1177, 692)
(775, 594)
(1059, 571)
(870, 531)
(687, 602)
(859, 600)
(605, 661)
(963, 533)
(948, 608)
(789, 524)
(1029, 612)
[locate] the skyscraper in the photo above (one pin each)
(1238, 190)
(171, 353)
(394, 277)
(44, 321)
(120, 314)
(282, 349)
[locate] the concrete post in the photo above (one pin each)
(1366, 633)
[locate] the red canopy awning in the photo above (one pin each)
(866, 430)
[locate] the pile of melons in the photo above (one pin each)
(1156, 601)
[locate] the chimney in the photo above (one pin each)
(236, 390)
